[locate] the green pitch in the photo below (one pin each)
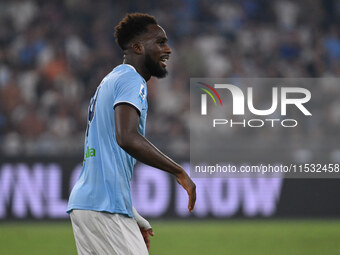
(194, 237)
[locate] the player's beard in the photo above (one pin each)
(155, 68)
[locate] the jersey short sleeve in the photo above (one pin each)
(130, 89)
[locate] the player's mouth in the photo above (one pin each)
(164, 59)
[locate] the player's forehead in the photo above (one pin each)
(155, 32)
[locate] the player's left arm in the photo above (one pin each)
(144, 226)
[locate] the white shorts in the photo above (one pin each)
(105, 233)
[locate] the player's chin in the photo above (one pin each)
(160, 73)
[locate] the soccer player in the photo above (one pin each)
(103, 218)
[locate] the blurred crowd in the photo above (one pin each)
(53, 55)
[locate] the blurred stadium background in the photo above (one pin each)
(53, 54)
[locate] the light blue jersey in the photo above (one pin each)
(104, 181)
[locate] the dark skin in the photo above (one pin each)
(154, 44)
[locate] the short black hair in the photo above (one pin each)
(131, 25)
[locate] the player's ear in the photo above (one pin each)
(138, 48)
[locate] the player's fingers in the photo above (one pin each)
(191, 204)
(192, 198)
(151, 232)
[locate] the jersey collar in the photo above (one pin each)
(131, 67)
(135, 71)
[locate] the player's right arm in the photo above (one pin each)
(130, 140)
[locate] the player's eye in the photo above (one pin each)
(161, 42)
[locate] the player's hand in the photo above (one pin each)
(186, 182)
(145, 234)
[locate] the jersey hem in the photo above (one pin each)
(127, 102)
(99, 210)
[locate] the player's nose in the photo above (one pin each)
(167, 49)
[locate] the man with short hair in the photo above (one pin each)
(100, 205)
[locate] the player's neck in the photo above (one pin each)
(140, 68)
